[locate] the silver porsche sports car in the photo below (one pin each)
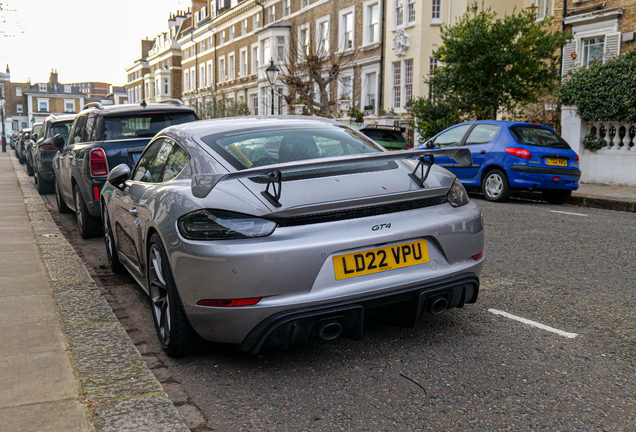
(267, 231)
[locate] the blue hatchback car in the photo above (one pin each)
(511, 155)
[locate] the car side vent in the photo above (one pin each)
(360, 212)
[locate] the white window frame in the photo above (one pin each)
(19, 108)
(407, 84)
(42, 87)
(231, 62)
(543, 9)
(244, 27)
(280, 49)
(367, 70)
(202, 76)
(396, 85)
(67, 88)
(342, 27)
(253, 97)
(256, 20)
(304, 3)
(18, 91)
(410, 17)
(193, 78)
(254, 59)
(286, 7)
(72, 103)
(398, 13)
(348, 73)
(436, 15)
(166, 86)
(243, 71)
(271, 14)
(232, 32)
(210, 67)
(43, 101)
(366, 23)
(322, 40)
(583, 61)
(222, 69)
(304, 28)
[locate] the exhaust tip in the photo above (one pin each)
(329, 330)
(439, 305)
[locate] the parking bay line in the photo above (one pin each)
(568, 213)
(533, 323)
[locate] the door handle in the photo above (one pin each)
(482, 152)
(133, 211)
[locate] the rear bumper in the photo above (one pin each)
(401, 307)
(527, 177)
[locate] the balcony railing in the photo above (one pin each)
(618, 136)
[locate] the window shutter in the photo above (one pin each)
(612, 45)
(568, 62)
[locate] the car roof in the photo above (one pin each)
(209, 127)
(61, 117)
(506, 123)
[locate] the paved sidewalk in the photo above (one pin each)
(38, 391)
(66, 362)
(621, 198)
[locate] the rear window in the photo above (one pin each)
(144, 125)
(540, 137)
(380, 135)
(257, 147)
(62, 127)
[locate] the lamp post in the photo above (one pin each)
(272, 76)
(3, 101)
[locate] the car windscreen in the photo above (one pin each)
(142, 125)
(536, 136)
(256, 147)
(62, 127)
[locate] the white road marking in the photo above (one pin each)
(534, 323)
(567, 213)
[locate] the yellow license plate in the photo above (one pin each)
(381, 259)
(556, 162)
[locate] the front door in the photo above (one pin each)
(480, 140)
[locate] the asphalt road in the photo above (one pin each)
(467, 369)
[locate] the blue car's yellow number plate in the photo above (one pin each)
(381, 259)
(556, 162)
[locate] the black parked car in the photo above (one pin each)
(20, 145)
(40, 154)
(101, 138)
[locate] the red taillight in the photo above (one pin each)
(46, 147)
(230, 303)
(555, 178)
(518, 152)
(409, 146)
(478, 256)
(96, 192)
(99, 164)
(577, 158)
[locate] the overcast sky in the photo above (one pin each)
(85, 40)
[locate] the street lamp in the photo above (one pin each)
(272, 76)
(3, 101)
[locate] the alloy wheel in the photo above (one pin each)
(159, 295)
(78, 209)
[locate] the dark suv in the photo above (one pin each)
(20, 145)
(104, 137)
(41, 151)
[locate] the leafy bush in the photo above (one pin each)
(430, 118)
(593, 143)
(356, 113)
(604, 92)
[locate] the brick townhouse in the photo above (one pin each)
(136, 72)
(227, 45)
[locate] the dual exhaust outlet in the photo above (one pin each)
(330, 328)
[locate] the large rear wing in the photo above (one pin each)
(202, 184)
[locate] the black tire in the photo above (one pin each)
(61, 204)
(176, 335)
(44, 187)
(88, 226)
(29, 167)
(109, 242)
(556, 196)
(495, 186)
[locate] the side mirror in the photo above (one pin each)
(430, 144)
(34, 137)
(58, 142)
(118, 175)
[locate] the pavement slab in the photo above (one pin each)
(69, 416)
(144, 414)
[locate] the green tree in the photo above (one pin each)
(430, 117)
(492, 65)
